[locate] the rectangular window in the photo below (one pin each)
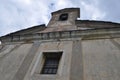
(51, 62)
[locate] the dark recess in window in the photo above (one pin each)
(51, 62)
(63, 17)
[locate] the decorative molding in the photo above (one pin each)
(84, 34)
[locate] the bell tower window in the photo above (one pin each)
(63, 17)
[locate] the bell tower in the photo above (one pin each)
(64, 18)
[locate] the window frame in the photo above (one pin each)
(51, 57)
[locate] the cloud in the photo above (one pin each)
(16, 15)
(111, 8)
(92, 11)
(60, 4)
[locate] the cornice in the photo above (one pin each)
(88, 34)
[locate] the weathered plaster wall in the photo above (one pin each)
(101, 59)
(64, 67)
(11, 57)
(76, 71)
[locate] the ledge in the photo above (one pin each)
(83, 34)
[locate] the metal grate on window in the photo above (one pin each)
(51, 63)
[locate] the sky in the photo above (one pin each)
(20, 14)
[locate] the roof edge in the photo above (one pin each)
(42, 26)
(96, 24)
(67, 10)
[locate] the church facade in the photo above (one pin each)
(65, 49)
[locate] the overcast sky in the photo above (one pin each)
(20, 14)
